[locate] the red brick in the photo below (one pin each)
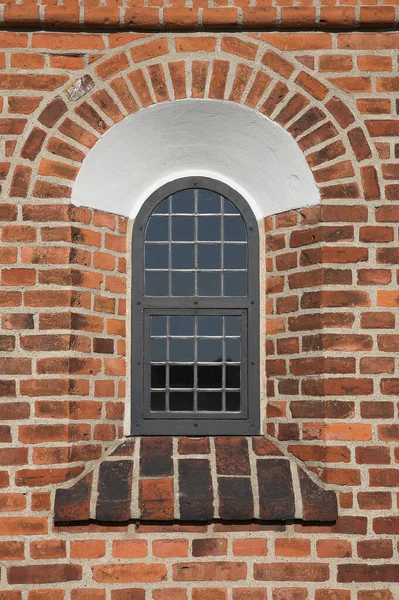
(129, 573)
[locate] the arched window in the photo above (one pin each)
(195, 312)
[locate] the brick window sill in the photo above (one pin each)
(195, 479)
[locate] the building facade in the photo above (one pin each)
(292, 107)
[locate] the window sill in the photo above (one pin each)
(196, 479)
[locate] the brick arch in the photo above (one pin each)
(154, 69)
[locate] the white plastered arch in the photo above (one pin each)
(212, 138)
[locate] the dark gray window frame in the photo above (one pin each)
(210, 424)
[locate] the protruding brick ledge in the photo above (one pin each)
(199, 17)
(196, 479)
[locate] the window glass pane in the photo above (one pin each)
(234, 229)
(235, 284)
(162, 208)
(181, 401)
(235, 256)
(233, 376)
(209, 228)
(158, 401)
(210, 350)
(182, 229)
(229, 208)
(233, 401)
(158, 325)
(209, 284)
(156, 256)
(210, 377)
(156, 283)
(183, 256)
(158, 376)
(210, 326)
(158, 350)
(181, 326)
(233, 325)
(181, 350)
(209, 256)
(208, 202)
(209, 401)
(233, 350)
(157, 229)
(182, 283)
(183, 202)
(181, 376)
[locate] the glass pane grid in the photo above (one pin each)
(196, 245)
(195, 363)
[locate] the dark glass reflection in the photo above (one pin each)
(209, 256)
(181, 350)
(162, 208)
(179, 401)
(209, 401)
(156, 256)
(182, 229)
(210, 376)
(158, 350)
(208, 202)
(235, 283)
(158, 325)
(233, 325)
(229, 208)
(181, 376)
(233, 350)
(233, 376)
(209, 229)
(156, 283)
(181, 326)
(183, 283)
(158, 401)
(234, 229)
(233, 401)
(158, 376)
(210, 350)
(235, 256)
(157, 229)
(183, 202)
(209, 284)
(183, 256)
(210, 326)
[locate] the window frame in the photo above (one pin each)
(215, 424)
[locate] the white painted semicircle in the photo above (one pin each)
(213, 138)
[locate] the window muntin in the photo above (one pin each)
(195, 312)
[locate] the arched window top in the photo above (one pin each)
(195, 312)
(195, 245)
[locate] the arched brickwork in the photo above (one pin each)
(156, 69)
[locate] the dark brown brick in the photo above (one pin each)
(232, 456)
(235, 498)
(318, 504)
(276, 494)
(114, 490)
(363, 573)
(195, 489)
(73, 504)
(156, 456)
(33, 574)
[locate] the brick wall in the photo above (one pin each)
(331, 303)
